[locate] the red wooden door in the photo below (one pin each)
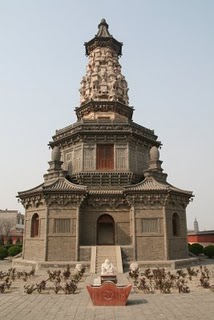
(105, 157)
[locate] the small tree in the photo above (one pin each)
(209, 251)
(196, 248)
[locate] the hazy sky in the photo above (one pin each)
(168, 62)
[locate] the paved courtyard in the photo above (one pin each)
(17, 305)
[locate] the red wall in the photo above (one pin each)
(200, 238)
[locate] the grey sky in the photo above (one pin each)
(168, 61)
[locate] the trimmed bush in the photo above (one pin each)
(7, 246)
(209, 251)
(196, 248)
(3, 253)
(14, 250)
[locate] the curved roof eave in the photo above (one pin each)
(149, 184)
(58, 185)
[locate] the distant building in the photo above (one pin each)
(11, 225)
(205, 238)
(196, 227)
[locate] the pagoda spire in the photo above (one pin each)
(103, 29)
(103, 80)
(103, 39)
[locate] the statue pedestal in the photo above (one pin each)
(108, 277)
(108, 294)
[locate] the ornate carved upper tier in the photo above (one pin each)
(103, 80)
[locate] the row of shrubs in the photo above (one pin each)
(9, 250)
(197, 249)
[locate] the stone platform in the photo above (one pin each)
(173, 264)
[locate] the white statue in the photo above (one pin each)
(107, 267)
(134, 267)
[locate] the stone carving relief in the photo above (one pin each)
(147, 199)
(65, 199)
(121, 158)
(68, 160)
(103, 79)
(32, 201)
(98, 202)
(89, 158)
(77, 160)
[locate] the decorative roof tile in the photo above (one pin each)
(150, 184)
(60, 184)
(33, 190)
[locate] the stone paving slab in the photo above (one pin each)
(17, 305)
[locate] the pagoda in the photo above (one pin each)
(105, 186)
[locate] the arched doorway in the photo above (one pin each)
(105, 230)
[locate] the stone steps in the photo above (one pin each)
(101, 253)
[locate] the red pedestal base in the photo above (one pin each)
(108, 294)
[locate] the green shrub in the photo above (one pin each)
(3, 253)
(7, 246)
(209, 251)
(14, 250)
(196, 248)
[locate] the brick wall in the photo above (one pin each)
(61, 248)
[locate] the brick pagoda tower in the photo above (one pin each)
(105, 185)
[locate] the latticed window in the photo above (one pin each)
(35, 225)
(105, 157)
(62, 225)
(150, 225)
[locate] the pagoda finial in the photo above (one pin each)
(155, 168)
(103, 29)
(103, 39)
(55, 166)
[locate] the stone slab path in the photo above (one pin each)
(17, 305)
